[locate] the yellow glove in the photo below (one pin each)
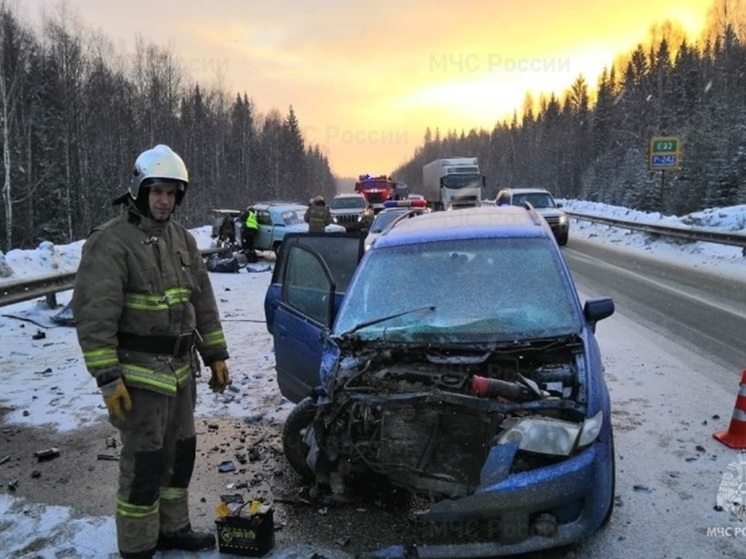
(117, 399)
(220, 378)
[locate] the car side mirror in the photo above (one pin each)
(559, 204)
(597, 309)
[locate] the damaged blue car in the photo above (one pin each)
(455, 360)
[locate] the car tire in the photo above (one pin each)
(562, 239)
(292, 436)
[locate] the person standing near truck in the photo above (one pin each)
(318, 215)
(144, 309)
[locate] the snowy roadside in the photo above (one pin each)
(46, 386)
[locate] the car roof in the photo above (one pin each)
(275, 205)
(394, 210)
(401, 211)
(480, 222)
(349, 195)
(525, 190)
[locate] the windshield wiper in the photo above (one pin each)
(385, 318)
(539, 344)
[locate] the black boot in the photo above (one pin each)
(186, 539)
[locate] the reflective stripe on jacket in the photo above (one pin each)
(141, 277)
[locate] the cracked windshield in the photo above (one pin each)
(453, 280)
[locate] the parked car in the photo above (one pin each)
(458, 364)
(544, 203)
(386, 218)
(352, 211)
(277, 219)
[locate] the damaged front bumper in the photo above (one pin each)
(529, 511)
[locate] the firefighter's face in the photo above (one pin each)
(162, 200)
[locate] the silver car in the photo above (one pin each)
(545, 205)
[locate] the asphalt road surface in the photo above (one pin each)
(701, 308)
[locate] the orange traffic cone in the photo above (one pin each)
(735, 436)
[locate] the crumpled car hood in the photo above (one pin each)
(431, 421)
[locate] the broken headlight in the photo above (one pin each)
(544, 435)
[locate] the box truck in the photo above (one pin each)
(452, 183)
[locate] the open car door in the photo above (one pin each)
(308, 284)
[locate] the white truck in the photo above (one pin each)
(452, 183)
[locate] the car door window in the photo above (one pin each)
(308, 284)
(263, 218)
(341, 253)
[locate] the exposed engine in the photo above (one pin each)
(426, 421)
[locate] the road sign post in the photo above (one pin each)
(664, 155)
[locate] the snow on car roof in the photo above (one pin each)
(464, 223)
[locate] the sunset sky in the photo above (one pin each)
(366, 78)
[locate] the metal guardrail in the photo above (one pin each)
(681, 231)
(49, 286)
(26, 290)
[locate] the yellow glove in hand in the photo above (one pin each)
(117, 399)
(220, 378)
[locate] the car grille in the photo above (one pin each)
(552, 221)
(344, 219)
(464, 199)
(350, 222)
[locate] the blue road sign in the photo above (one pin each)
(664, 161)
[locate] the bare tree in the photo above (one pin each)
(65, 49)
(14, 48)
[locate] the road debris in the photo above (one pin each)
(47, 454)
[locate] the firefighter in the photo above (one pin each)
(318, 215)
(145, 310)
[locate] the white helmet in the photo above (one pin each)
(159, 162)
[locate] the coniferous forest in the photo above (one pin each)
(75, 113)
(593, 143)
(74, 110)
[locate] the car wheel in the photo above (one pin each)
(276, 248)
(292, 436)
(562, 239)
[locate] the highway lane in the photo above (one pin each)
(703, 309)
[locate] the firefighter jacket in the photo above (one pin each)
(145, 283)
(318, 217)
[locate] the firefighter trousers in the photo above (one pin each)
(155, 467)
